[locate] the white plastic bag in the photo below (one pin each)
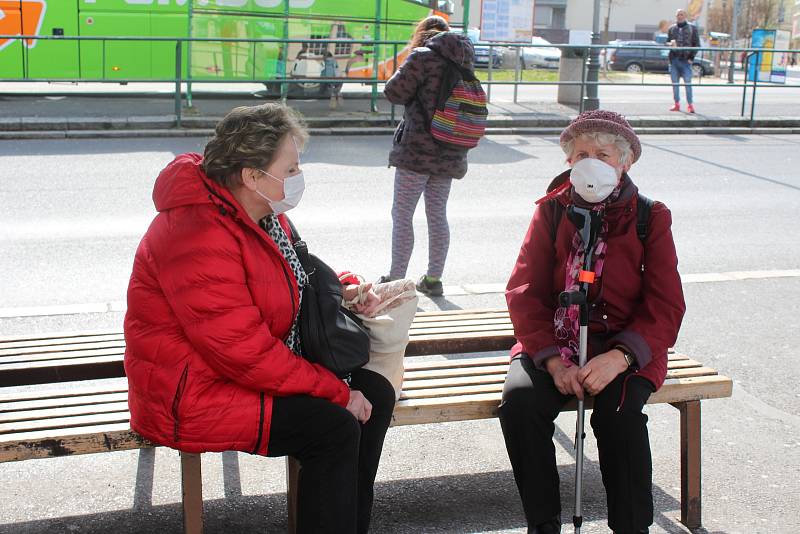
(388, 325)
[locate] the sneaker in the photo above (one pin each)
(676, 107)
(690, 108)
(430, 286)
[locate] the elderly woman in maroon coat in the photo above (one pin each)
(635, 310)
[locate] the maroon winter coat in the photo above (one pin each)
(416, 86)
(640, 309)
(209, 301)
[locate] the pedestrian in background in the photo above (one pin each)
(330, 69)
(422, 164)
(682, 34)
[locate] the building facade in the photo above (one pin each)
(633, 16)
(547, 14)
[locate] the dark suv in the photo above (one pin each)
(650, 56)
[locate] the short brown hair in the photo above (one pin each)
(427, 28)
(248, 137)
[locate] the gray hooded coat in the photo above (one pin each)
(417, 83)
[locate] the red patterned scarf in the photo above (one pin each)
(567, 319)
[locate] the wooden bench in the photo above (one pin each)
(48, 422)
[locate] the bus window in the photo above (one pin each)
(445, 6)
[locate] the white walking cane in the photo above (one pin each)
(588, 223)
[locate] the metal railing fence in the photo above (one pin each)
(183, 73)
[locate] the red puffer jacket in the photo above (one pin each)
(640, 309)
(209, 301)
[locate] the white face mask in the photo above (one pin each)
(293, 187)
(593, 180)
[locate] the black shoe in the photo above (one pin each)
(385, 278)
(548, 527)
(643, 531)
(430, 286)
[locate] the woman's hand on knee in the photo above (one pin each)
(564, 378)
(601, 370)
(359, 406)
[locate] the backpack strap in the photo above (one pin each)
(295, 237)
(558, 211)
(643, 207)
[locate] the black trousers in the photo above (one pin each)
(529, 408)
(338, 456)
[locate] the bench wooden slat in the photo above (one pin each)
(410, 385)
(460, 329)
(446, 313)
(62, 351)
(40, 404)
(66, 442)
(71, 336)
(66, 411)
(460, 322)
(66, 422)
(65, 393)
(61, 358)
(411, 365)
(482, 370)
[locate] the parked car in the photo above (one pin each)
(650, 56)
(543, 55)
(483, 51)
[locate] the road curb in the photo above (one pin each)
(366, 131)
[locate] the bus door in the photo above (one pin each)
(115, 59)
(37, 58)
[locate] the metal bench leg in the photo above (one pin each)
(292, 478)
(691, 504)
(192, 485)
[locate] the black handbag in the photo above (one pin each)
(330, 334)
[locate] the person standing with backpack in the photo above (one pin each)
(635, 304)
(423, 163)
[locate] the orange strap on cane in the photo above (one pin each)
(586, 276)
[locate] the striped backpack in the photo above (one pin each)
(459, 120)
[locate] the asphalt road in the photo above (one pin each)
(75, 210)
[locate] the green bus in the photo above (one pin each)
(309, 20)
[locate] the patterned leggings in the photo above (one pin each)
(408, 186)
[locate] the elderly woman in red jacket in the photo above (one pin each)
(213, 352)
(635, 310)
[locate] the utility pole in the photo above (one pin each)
(590, 101)
(734, 28)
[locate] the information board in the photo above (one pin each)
(509, 21)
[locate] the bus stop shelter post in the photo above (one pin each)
(586, 53)
(753, 97)
(394, 69)
(591, 99)
(189, 57)
(178, 68)
(517, 75)
(284, 85)
(734, 29)
(373, 106)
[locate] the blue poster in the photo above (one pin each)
(759, 67)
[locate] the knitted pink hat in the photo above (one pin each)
(600, 120)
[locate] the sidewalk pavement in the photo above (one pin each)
(37, 110)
